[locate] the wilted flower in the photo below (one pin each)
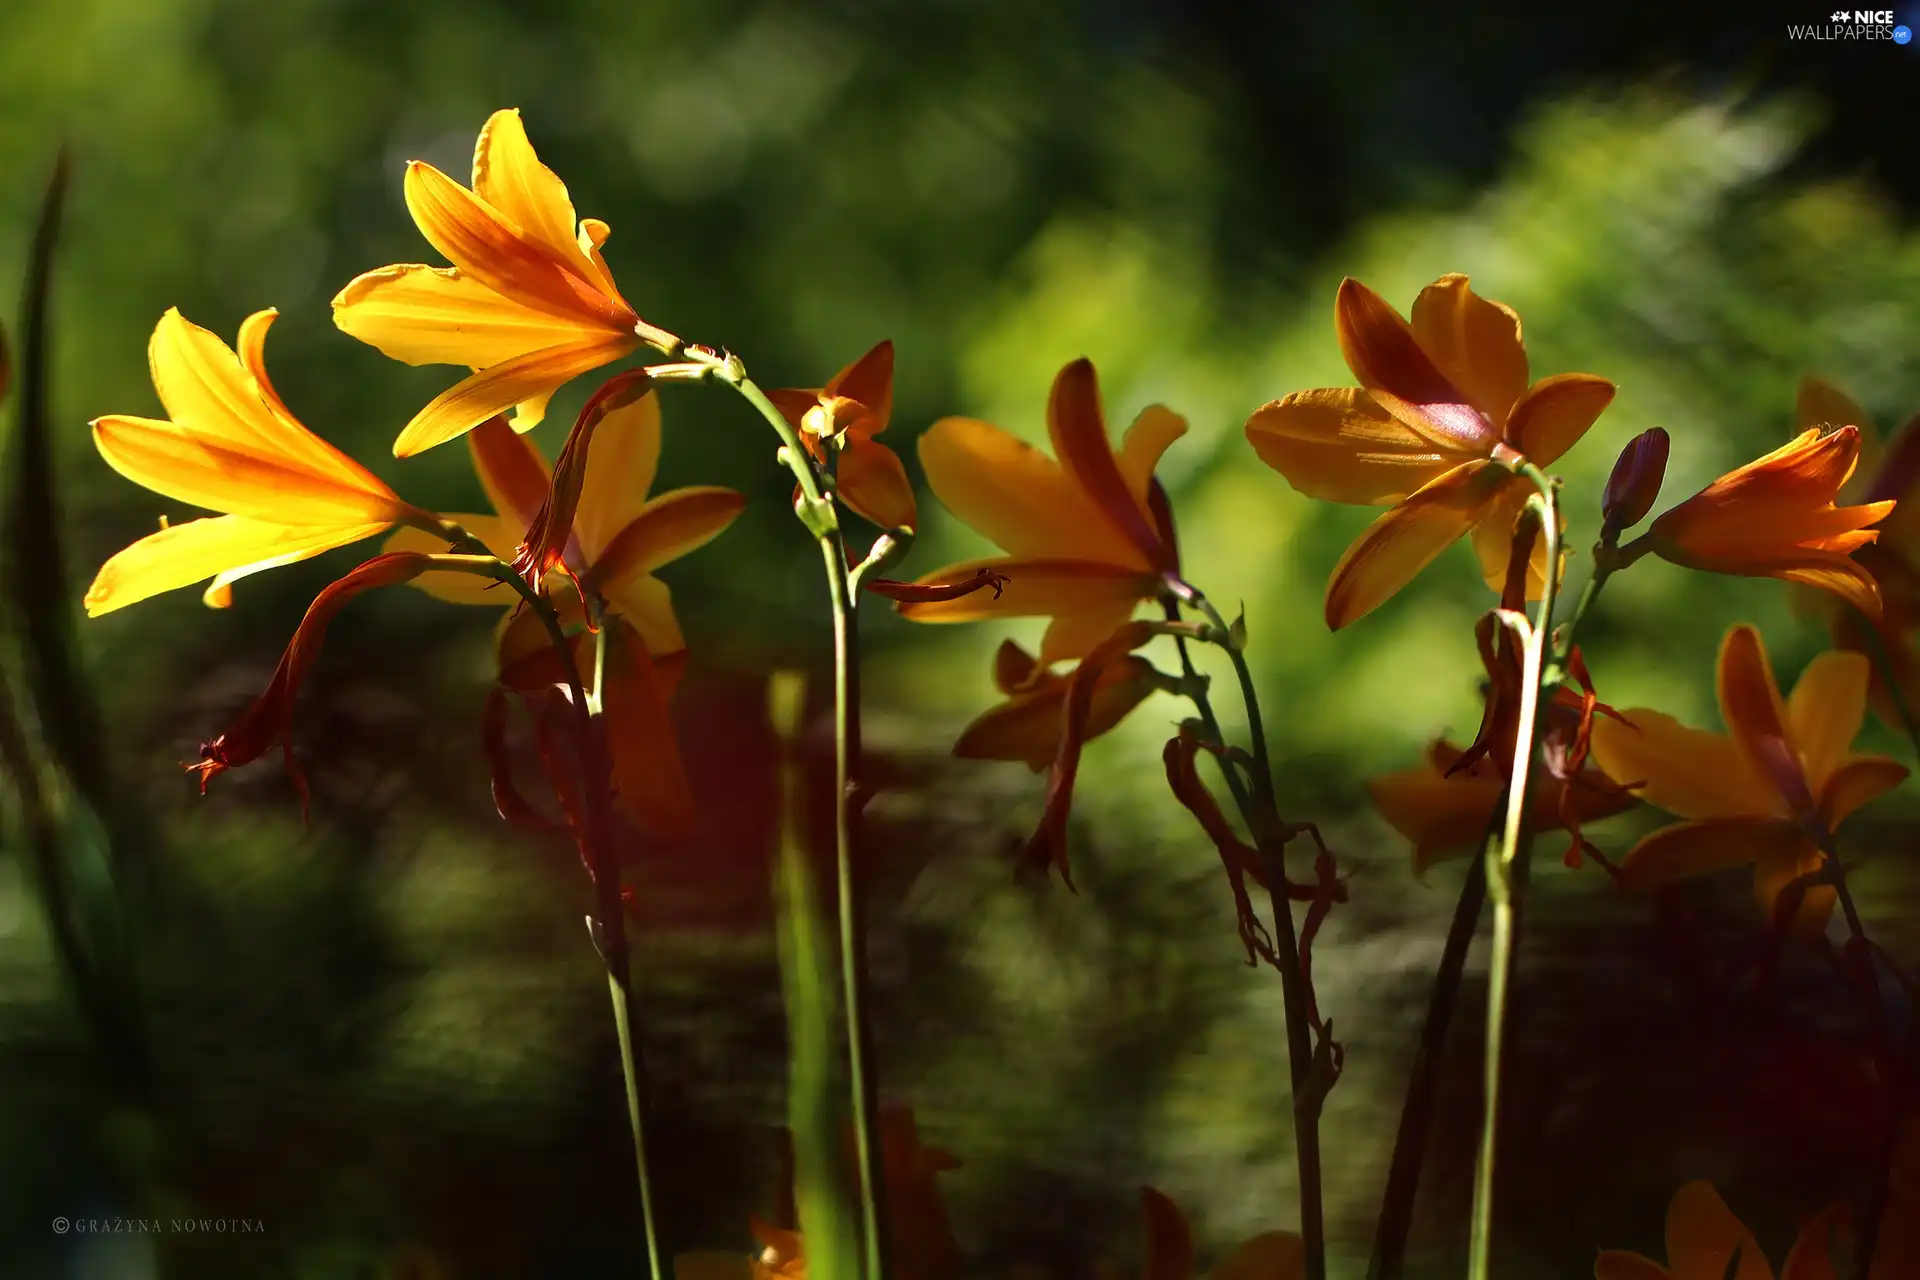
(1768, 792)
(1439, 400)
(528, 303)
(1087, 537)
(1775, 518)
(840, 420)
(230, 444)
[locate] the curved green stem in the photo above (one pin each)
(1261, 815)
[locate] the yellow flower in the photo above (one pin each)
(230, 444)
(1087, 537)
(1028, 725)
(1438, 398)
(853, 408)
(620, 537)
(1767, 791)
(528, 302)
(1775, 518)
(1704, 1239)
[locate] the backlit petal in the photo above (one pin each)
(1756, 717)
(1551, 417)
(1141, 448)
(1474, 342)
(1406, 540)
(1840, 574)
(252, 350)
(509, 176)
(1337, 444)
(1493, 539)
(667, 528)
(196, 550)
(434, 315)
(1703, 1234)
(622, 460)
(1078, 427)
(1443, 817)
(647, 771)
(1027, 727)
(1387, 359)
(512, 472)
(870, 381)
(1014, 494)
(493, 390)
(1077, 633)
(1688, 849)
(1035, 588)
(1826, 710)
(647, 603)
(1857, 782)
(497, 252)
(1780, 868)
(872, 481)
(1688, 772)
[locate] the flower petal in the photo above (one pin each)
(1819, 403)
(461, 588)
(665, 529)
(1756, 717)
(872, 481)
(1076, 634)
(1027, 727)
(1336, 444)
(1813, 1249)
(1840, 574)
(1493, 539)
(497, 252)
(1146, 440)
(435, 315)
(1407, 538)
(1014, 494)
(1551, 417)
(1387, 359)
(500, 387)
(509, 176)
(868, 380)
(1780, 868)
(1703, 1236)
(1443, 817)
(1475, 343)
(647, 771)
(1688, 849)
(1826, 710)
(512, 472)
(1857, 782)
(622, 461)
(647, 603)
(1078, 428)
(1692, 773)
(1035, 588)
(1167, 1240)
(196, 550)
(1271, 1255)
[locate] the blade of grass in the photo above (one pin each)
(808, 979)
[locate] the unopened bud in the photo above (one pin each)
(1635, 482)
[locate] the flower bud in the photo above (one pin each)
(1635, 481)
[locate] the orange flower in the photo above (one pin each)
(1168, 1252)
(528, 302)
(1027, 726)
(1087, 537)
(841, 419)
(1775, 518)
(1893, 560)
(230, 444)
(1439, 399)
(620, 537)
(1704, 1240)
(1768, 792)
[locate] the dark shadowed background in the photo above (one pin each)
(383, 1036)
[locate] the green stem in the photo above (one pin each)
(1506, 867)
(817, 512)
(1261, 815)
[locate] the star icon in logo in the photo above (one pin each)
(1839, 15)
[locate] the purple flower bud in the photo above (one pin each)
(1635, 482)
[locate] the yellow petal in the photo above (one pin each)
(1703, 1234)
(1077, 424)
(1493, 539)
(665, 529)
(512, 472)
(1688, 849)
(1146, 441)
(1035, 588)
(252, 350)
(1406, 540)
(497, 252)
(1693, 773)
(647, 603)
(1780, 868)
(1443, 817)
(434, 315)
(1014, 494)
(467, 404)
(1076, 633)
(1337, 444)
(461, 588)
(1856, 782)
(1756, 718)
(1476, 343)
(1842, 575)
(211, 472)
(1824, 715)
(872, 481)
(647, 771)
(1027, 728)
(622, 459)
(509, 176)
(196, 550)
(1552, 416)
(868, 380)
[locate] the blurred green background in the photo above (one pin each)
(383, 1035)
